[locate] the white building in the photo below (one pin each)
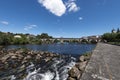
(17, 36)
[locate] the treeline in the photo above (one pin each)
(10, 38)
(114, 36)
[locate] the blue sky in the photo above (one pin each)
(60, 18)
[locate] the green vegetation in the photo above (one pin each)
(44, 36)
(84, 41)
(6, 38)
(87, 54)
(10, 38)
(21, 39)
(113, 37)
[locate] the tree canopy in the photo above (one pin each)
(112, 37)
(9, 38)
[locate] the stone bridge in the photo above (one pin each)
(72, 39)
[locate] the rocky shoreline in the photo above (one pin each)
(14, 62)
(76, 72)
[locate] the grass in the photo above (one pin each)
(88, 54)
(114, 43)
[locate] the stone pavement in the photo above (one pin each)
(104, 63)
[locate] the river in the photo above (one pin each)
(57, 68)
(71, 49)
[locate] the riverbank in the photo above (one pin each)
(76, 71)
(16, 61)
(18, 64)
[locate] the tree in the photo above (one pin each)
(110, 37)
(43, 36)
(113, 30)
(5, 38)
(9, 38)
(118, 37)
(118, 30)
(106, 36)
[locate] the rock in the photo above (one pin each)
(22, 68)
(5, 58)
(12, 54)
(74, 73)
(19, 51)
(38, 57)
(41, 53)
(14, 65)
(13, 57)
(70, 78)
(81, 66)
(11, 51)
(47, 54)
(20, 57)
(51, 54)
(87, 58)
(28, 57)
(24, 61)
(81, 58)
(1, 65)
(31, 52)
(6, 66)
(47, 59)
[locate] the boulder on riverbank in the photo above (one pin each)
(76, 72)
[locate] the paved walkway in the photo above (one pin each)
(104, 63)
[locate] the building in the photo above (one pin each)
(17, 36)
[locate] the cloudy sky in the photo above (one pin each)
(60, 18)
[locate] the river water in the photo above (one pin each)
(75, 49)
(57, 68)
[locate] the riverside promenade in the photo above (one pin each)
(104, 63)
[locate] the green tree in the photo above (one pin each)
(43, 36)
(110, 37)
(118, 30)
(5, 38)
(118, 37)
(113, 30)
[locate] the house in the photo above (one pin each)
(17, 36)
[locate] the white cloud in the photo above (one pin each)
(28, 27)
(71, 0)
(4, 22)
(80, 18)
(57, 7)
(71, 5)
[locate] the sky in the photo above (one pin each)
(60, 18)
